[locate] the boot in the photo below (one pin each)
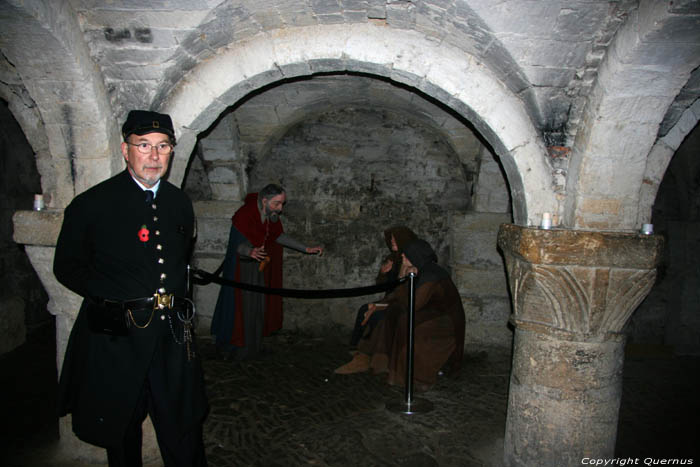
(358, 364)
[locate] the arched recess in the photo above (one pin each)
(296, 100)
(28, 118)
(44, 43)
(450, 76)
(646, 66)
(659, 158)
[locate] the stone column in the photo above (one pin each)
(572, 293)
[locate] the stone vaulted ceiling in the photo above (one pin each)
(569, 93)
(545, 51)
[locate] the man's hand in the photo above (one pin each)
(258, 253)
(315, 250)
(371, 308)
(406, 270)
(386, 266)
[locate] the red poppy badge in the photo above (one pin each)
(143, 233)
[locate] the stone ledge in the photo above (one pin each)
(37, 227)
(581, 248)
(42, 227)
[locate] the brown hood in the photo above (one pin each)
(402, 234)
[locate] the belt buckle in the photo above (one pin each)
(163, 301)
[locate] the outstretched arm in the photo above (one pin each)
(289, 242)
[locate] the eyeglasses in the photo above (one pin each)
(147, 148)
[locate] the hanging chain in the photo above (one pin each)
(186, 321)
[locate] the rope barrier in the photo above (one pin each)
(203, 278)
(410, 404)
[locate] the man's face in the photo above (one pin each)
(272, 207)
(150, 167)
(394, 246)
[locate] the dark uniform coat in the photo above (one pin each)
(102, 252)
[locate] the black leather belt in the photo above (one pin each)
(116, 317)
(157, 301)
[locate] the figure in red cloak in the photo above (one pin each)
(254, 256)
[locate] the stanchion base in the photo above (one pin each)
(415, 406)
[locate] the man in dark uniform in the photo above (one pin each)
(124, 246)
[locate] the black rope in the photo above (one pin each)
(203, 278)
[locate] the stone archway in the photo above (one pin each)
(451, 77)
(242, 137)
(68, 94)
(637, 83)
(659, 158)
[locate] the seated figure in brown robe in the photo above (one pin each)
(396, 238)
(439, 324)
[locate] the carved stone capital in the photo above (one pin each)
(582, 283)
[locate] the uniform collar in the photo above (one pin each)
(154, 188)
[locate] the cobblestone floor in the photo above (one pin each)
(287, 408)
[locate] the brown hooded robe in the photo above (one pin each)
(439, 324)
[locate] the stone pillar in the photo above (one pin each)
(572, 293)
(38, 231)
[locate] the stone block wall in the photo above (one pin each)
(491, 194)
(350, 174)
(221, 158)
(476, 265)
(479, 273)
(213, 225)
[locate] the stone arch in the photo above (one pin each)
(67, 95)
(637, 82)
(659, 158)
(452, 77)
(29, 120)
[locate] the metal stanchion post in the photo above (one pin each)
(410, 405)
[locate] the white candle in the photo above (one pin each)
(546, 221)
(38, 202)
